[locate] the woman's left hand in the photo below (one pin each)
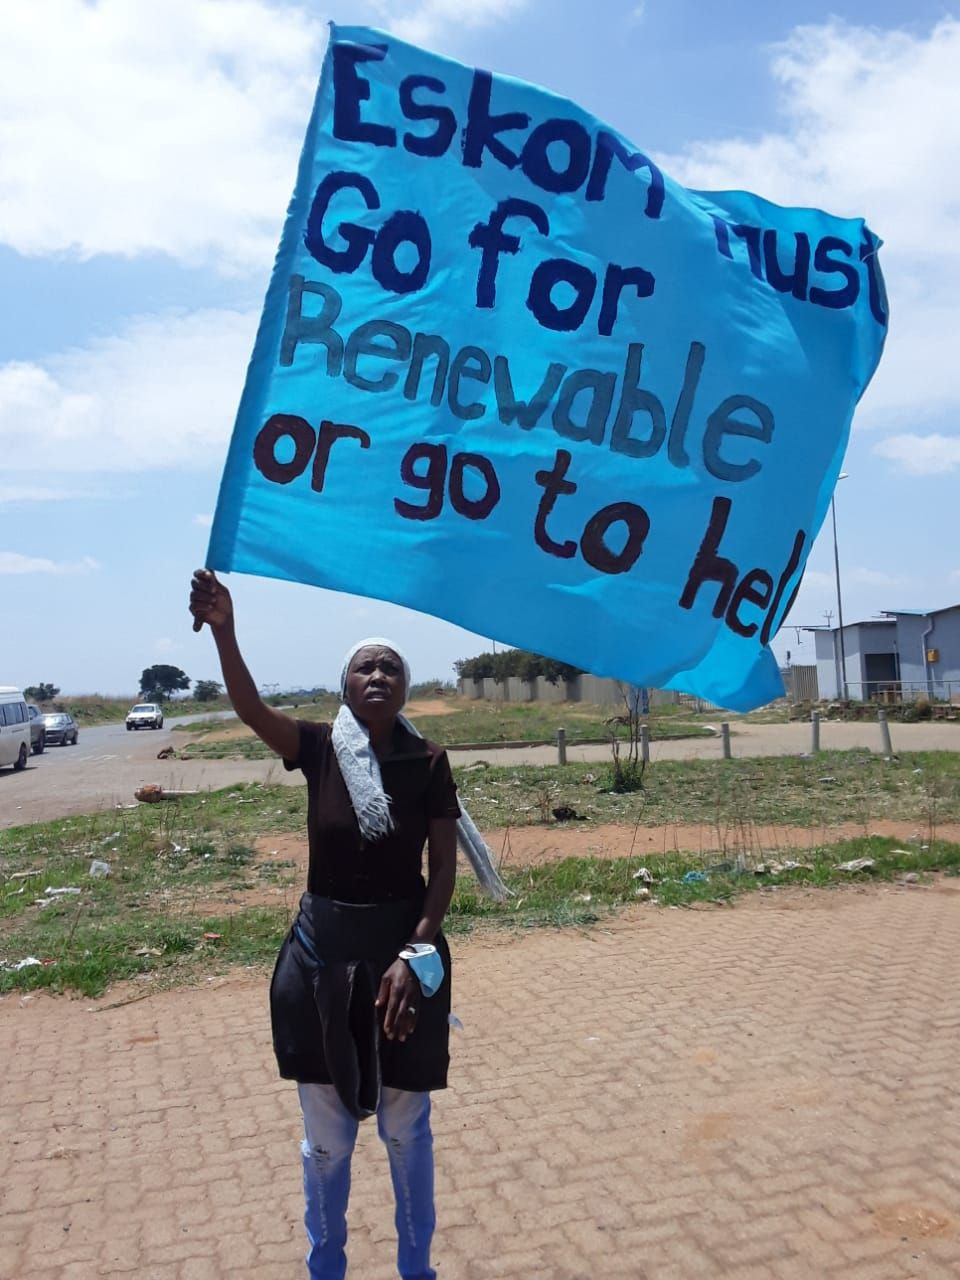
(399, 997)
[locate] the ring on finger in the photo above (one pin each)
(411, 1009)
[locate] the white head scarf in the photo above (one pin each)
(356, 757)
(374, 642)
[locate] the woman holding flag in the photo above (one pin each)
(360, 997)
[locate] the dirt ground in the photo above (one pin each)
(763, 1092)
(428, 707)
(537, 845)
(533, 846)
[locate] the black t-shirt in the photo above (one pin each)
(343, 865)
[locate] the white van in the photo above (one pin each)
(14, 727)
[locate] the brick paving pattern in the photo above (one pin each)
(767, 1092)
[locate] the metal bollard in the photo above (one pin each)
(645, 743)
(725, 736)
(885, 733)
(561, 746)
(815, 731)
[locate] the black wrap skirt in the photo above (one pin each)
(326, 1029)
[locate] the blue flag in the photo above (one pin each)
(511, 374)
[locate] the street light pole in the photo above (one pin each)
(836, 568)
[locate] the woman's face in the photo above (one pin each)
(375, 688)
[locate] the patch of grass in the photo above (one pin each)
(731, 796)
(165, 860)
(174, 866)
(86, 950)
(93, 709)
(90, 955)
(247, 747)
(470, 721)
(581, 891)
(322, 706)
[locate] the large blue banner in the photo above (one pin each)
(510, 374)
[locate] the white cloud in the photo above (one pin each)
(822, 580)
(421, 21)
(921, 455)
(204, 520)
(10, 493)
(14, 562)
(872, 118)
(165, 646)
(871, 121)
(875, 578)
(917, 377)
(163, 393)
(129, 127)
(817, 578)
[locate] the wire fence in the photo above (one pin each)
(893, 692)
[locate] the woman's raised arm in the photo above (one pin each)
(210, 603)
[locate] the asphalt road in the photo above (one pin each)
(102, 770)
(108, 764)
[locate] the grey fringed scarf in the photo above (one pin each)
(361, 773)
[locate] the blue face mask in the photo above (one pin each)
(424, 960)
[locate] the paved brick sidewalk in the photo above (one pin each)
(765, 1093)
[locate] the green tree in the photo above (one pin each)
(161, 681)
(515, 662)
(555, 671)
(207, 690)
(41, 692)
(529, 665)
(479, 668)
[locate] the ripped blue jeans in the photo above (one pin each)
(330, 1132)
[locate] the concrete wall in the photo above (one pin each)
(911, 645)
(544, 691)
(859, 639)
(601, 692)
(493, 690)
(941, 678)
(946, 637)
(597, 690)
(519, 690)
(828, 665)
(665, 697)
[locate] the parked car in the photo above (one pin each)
(14, 728)
(60, 729)
(145, 715)
(38, 735)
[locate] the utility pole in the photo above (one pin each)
(836, 567)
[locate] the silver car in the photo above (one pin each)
(38, 735)
(59, 729)
(145, 715)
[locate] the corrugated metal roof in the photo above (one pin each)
(866, 622)
(919, 613)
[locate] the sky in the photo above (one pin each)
(147, 153)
